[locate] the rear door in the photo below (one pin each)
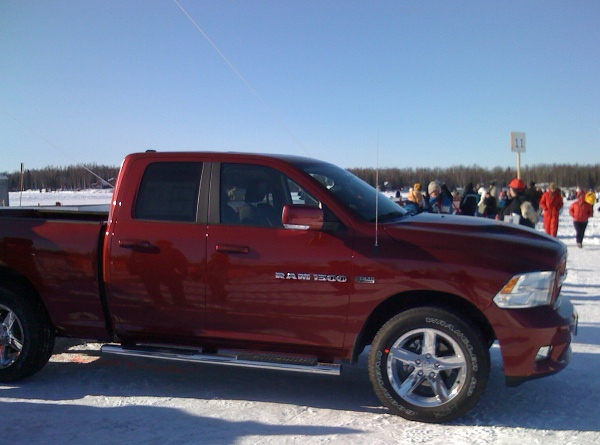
(156, 276)
(268, 284)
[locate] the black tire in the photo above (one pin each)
(26, 336)
(426, 364)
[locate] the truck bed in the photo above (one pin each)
(75, 213)
(57, 250)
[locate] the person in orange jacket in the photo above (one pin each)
(551, 202)
(580, 211)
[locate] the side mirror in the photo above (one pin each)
(302, 217)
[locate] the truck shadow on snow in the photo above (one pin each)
(120, 376)
(50, 423)
(565, 401)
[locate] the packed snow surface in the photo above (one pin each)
(81, 397)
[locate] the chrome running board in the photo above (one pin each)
(248, 360)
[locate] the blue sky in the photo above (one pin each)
(356, 83)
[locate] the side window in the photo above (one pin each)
(331, 223)
(299, 196)
(169, 192)
(252, 195)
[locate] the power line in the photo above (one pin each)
(242, 78)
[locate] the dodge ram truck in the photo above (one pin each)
(289, 263)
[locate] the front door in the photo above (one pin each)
(269, 284)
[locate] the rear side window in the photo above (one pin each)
(169, 192)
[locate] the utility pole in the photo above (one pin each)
(21, 187)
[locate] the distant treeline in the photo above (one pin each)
(585, 176)
(63, 178)
(565, 176)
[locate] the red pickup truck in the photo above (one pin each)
(284, 262)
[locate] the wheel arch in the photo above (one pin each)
(404, 301)
(18, 284)
(29, 336)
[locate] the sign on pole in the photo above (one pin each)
(517, 145)
(517, 142)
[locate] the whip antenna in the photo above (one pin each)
(376, 245)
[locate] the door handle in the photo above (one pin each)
(138, 245)
(231, 248)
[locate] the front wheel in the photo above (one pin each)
(427, 364)
(26, 336)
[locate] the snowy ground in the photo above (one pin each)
(81, 397)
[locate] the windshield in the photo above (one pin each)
(356, 194)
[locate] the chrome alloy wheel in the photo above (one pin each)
(11, 337)
(426, 367)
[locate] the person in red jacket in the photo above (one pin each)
(580, 211)
(551, 202)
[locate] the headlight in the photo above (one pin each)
(526, 290)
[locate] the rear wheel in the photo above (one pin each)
(427, 364)
(26, 337)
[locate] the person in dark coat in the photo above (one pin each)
(513, 207)
(490, 206)
(534, 195)
(468, 202)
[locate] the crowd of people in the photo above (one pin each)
(517, 203)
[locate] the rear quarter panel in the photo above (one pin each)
(59, 257)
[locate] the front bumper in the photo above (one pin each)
(535, 342)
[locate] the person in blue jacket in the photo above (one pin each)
(439, 202)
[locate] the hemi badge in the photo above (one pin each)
(367, 280)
